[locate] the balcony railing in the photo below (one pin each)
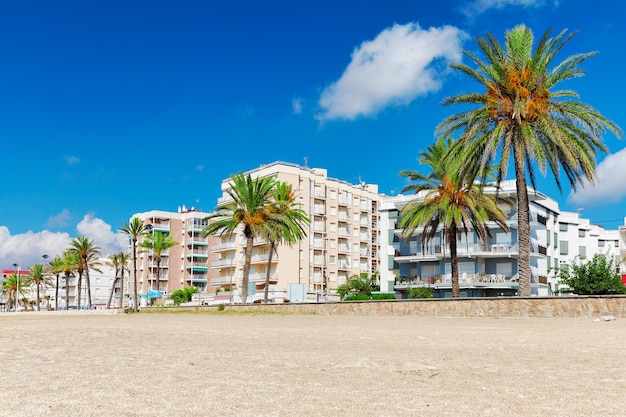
(231, 244)
(222, 263)
(196, 277)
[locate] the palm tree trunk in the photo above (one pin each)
(523, 221)
(246, 270)
(454, 261)
(78, 289)
(122, 289)
(56, 295)
(158, 277)
(88, 285)
(135, 306)
(67, 291)
(269, 267)
(38, 297)
(112, 291)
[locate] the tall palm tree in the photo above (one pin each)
(68, 264)
(115, 262)
(158, 243)
(286, 224)
(135, 229)
(520, 115)
(88, 254)
(37, 276)
(250, 209)
(56, 267)
(12, 286)
(451, 200)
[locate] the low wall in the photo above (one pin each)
(574, 306)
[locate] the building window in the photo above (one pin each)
(333, 227)
(563, 227)
(548, 237)
(556, 239)
(582, 252)
(581, 233)
(563, 244)
(333, 194)
(601, 243)
(332, 259)
(333, 211)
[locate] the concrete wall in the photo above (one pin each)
(580, 306)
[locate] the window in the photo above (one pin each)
(563, 244)
(333, 227)
(556, 239)
(333, 211)
(582, 233)
(563, 227)
(548, 234)
(333, 244)
(582, 252)
(601, 243)
(333, 194)
(332, 259)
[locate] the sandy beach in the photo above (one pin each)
(81, 364)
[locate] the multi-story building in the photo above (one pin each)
(342, 236)
(184, 264)
(485, 268)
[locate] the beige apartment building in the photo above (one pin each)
(186, 263)
(342, 238)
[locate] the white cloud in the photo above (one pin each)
(609, 187)
(72, 160)
(401, 63)
(28, 248)
(59, 221)
(200, 168)
(478, 7)
(296, 105)
(96, 229)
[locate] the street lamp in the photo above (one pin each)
(17, 288)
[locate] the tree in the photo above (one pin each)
(87, 253)
(598, 276)
(12, 286)
(286, 224)
(250, 208)
(184, 295)
(134, 230)
(37, 276)
(451, 200)
(158, 242)
(56, 267)
(521, 116)
(68, 264)
(118, 261)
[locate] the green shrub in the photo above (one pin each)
(383, 296)
(184, 295)
(597, 277)
(420, 292)
(221, 307)
(357, 297)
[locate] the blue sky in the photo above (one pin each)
(108, 108)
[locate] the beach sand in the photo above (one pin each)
(85, 364)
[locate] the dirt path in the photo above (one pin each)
(268, 365)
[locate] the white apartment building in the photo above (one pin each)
(186, 263)
(342, 238)
(485, 268)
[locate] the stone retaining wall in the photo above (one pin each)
(575, 306)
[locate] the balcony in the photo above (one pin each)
(343, 265)
(222, 280)
(223, 263)
(199, 278)
(197, 241)
(229, 245)
(196, 225)
(162, 277)
(161, 226)
(197, 253)
(343, 201)
(197, 266)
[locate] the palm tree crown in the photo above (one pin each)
(250, 208)
(87, 253)
(451, 200)
(158, 242)
(520, 116)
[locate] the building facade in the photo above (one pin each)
(342, 237)
(184, 264)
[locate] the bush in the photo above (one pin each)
(184, 295)
(599, 276)
(357, 297)
(420, 292)
(355, 286)
(221, 307)
(383, 296)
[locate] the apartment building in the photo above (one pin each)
(184, 264)
(485, 268)
(342, 238)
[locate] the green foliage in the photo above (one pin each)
(598, 276)
(420, 292)
(184, 295)
(357, 297)
(355, 286)
(385, 296)
(221, 307)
